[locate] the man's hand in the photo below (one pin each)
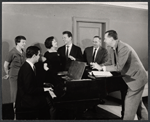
(48, 89)
(71, 57)
(96, 66)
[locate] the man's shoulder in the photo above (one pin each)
(61, 47)
(89, 48)
(25, 69)
(75, 46)
(25, 65)
(123, 45)
(103, 48)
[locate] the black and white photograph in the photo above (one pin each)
(74, 61)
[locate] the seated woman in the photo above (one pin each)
(52, 63)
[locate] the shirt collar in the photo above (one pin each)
(18, 51)
(115, 46)
(69, 46)
(31, 64)
(96, 48)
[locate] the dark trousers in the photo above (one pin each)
(51, 105)
(7, 111)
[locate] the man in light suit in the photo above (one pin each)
(125, 59)
(31, 94)
(69, 52)
(95, 53)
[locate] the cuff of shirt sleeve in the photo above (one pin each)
(104, 68)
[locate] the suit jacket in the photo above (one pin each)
(129, 64)
(101, 56)
(30, 93)
(75, 52)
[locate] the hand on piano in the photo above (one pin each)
(50, 90)
(71, 57)
(5, 77)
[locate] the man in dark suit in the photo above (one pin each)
(95, 53)
(123, 58)
(31, 94)
(69, 52)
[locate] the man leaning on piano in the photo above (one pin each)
(125, 59)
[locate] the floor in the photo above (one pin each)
(108, 111)
(111, 110)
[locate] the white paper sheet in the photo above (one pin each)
(101, 74)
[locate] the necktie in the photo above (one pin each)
(34, 69)
(67, 52)
(115, 59)
(93, 57)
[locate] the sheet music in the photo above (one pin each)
(101, 74)
(76, 70)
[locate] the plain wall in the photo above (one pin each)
(39, 21)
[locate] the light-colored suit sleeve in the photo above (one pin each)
(122, 57)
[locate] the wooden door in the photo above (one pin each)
(86, 32)
(84, 29)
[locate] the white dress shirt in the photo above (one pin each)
(31, 64)
(69, 48)
(95, 52)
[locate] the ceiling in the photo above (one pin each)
(140, 5)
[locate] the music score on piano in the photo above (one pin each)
(100, 74)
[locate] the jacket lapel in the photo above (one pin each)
(64, 50)
(98, 55)
(72, 50)
(116, 52)
(112, 56)
(90, 53)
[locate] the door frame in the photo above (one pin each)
(104, 22)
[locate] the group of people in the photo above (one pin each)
(23, 70)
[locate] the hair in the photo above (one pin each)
(97, 37)
(32, 50)
(68, 33)
(48, 42)
(18, 39)
(112, 33)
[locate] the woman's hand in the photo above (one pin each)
(5, 77)
(46, 67)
